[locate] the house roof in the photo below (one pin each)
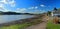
(56, 12)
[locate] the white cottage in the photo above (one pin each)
(55, 13)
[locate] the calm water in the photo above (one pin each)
(8, 18)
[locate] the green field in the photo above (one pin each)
(51, 25)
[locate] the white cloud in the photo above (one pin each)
(10, 2)
(21, 10)
(38, 11)
(1, 5)
(31, 8)
(3, 9)
(7, 2)
(42, 5)
(3, 1)
(36, 7)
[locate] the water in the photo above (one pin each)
(8, 18)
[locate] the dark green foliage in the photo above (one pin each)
(49, 13)
(55, 9)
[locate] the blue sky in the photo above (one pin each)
(30, 6)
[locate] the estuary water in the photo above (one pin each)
(8, 18)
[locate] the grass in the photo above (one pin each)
(17, 26)
(21, 26)
(51, 25)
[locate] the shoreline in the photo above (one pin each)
(23, 23)
(20, 21)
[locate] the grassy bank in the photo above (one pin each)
(51, 25)
(21, 26)
(17, 26)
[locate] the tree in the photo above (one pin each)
(49, 12)
(55, 9)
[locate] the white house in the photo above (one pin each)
(55, 13)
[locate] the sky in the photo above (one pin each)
(28, 6)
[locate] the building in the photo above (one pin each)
(55, 12)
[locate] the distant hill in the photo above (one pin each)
(14, 13)
(8, 13)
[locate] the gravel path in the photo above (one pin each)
(39, 26)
